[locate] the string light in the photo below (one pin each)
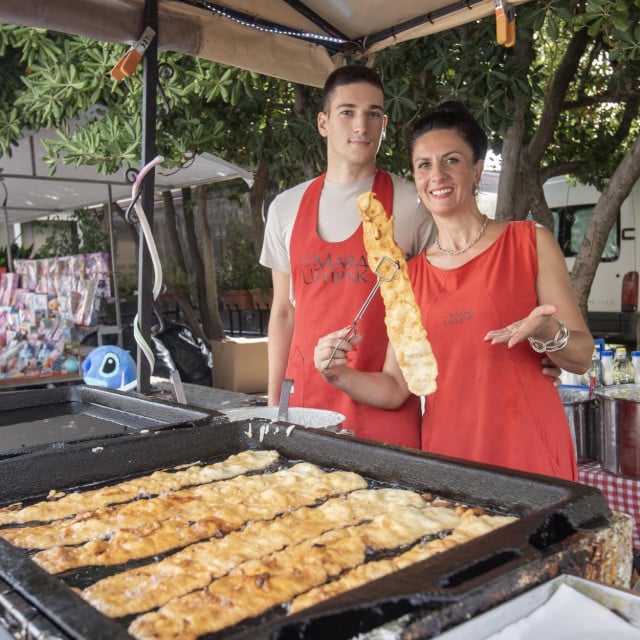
(265, 26)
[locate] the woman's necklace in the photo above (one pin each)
(459, 251)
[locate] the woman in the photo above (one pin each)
(493, 404)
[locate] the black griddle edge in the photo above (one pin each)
(455, 584)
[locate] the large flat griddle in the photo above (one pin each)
(34, 419)
(439, 592)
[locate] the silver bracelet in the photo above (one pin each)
(559, 340)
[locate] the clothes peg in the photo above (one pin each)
(505, 23)
(131, 59)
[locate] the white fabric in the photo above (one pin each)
(569, 614)
(413, 226)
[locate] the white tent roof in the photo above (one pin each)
(300, 41)
(32, 193)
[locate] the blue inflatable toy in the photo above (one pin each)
(109, 366)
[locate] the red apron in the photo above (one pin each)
(331, 280)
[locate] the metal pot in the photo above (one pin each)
(580, 410)
(620, 442)
(314, 418)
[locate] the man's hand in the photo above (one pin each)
(550, 369)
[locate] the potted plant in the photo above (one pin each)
(234, 276)
(262, 290)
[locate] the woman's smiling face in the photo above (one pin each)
(444, 171)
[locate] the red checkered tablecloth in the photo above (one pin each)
(622, 494)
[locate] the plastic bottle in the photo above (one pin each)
(635, 359)
(607, 365)
(595, 369)
(622, 368)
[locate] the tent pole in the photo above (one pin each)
(114, 275)
(6, 227)
(149, 114)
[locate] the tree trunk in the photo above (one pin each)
(510, 204)
(211, 321)
(257, 196)
(602, 219)
(521, 184)
(300, 106)
(183, 300)
(194, 254)
(170, 229)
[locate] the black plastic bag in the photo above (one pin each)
(174, 347)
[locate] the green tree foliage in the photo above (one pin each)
(49, 78)
(564, 99)
(85, 234)
(16, 252)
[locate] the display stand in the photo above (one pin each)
(45, 306)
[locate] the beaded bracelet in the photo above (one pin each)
(559, 340)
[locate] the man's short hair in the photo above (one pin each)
(349, 74)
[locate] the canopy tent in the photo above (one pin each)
(31, 192)
(299, 41)
(290, 39)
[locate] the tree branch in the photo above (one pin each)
(554, 103)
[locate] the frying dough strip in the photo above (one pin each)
(402, 315)
(471, 526)
(196, 566)
(193, 503)
(257, 585)
(250, 498)
(149, 485)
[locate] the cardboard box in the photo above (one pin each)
(240, 364)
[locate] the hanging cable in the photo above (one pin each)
(153, 251)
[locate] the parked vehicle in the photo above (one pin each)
(613, 299)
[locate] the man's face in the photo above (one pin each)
(353, 124)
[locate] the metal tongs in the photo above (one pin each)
(354, 325)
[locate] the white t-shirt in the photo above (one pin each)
(338, 218)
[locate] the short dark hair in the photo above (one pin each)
(349, 74)
(451, 115)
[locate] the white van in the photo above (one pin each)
(613, 299)
(611, 315)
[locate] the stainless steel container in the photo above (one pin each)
(580, 410)
(313, 418)
(619, 407)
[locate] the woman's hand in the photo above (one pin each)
(538, 324)
(324, 348)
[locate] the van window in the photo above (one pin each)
(570, 224)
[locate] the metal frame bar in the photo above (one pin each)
(149, 116)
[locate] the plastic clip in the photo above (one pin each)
(505, 23)
(126, 66)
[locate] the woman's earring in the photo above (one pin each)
(418, 199)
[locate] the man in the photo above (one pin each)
(313, 245)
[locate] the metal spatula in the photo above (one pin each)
(285, 392)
